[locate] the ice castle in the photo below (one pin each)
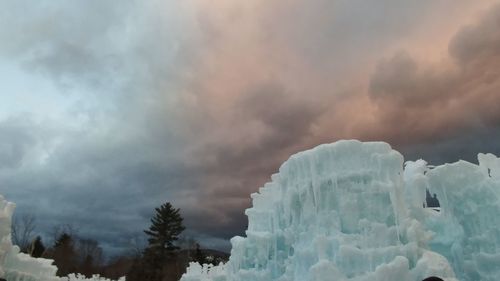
(354, 211)
(346, 211)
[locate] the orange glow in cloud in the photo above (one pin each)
(253, 43)
(276, 77)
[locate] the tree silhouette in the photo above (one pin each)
(199, 257)
(90, 256)
(37, 248)
(166, 226)
(22, 231)
(64, 255)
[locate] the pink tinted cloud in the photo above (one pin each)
(276, 77)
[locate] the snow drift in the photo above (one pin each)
(350, 211)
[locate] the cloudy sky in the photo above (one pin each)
(110, 108)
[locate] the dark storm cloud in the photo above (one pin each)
(478, 42)
(15, 140)
(462, 147)
(275, 119)
(266, 124)
(96, 186)
(439, 101)
(116, 154)
(299, 77)
(199, 102)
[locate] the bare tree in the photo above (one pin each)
(136, 246)
(90, 256)
(90, 248)
(188, 244)
(22, 231)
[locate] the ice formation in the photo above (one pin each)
(16, 266)
(350, 211)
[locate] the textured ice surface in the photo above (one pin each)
(348, 211)
(15, 266)
(467, 231)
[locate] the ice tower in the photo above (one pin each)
(349, 211)
(346, 211)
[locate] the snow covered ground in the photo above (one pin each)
(354, 211)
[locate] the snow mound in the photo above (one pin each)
(349, 211)
(21, 267)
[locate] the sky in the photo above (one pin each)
(110, 108)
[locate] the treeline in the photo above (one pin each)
(165, 258)
(73, 254)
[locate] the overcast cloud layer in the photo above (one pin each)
(109, 109)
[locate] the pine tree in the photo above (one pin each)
(64, 255)
(37, 248)
(166, 226)
(63, 240)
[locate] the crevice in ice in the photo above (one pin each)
(431, 200)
